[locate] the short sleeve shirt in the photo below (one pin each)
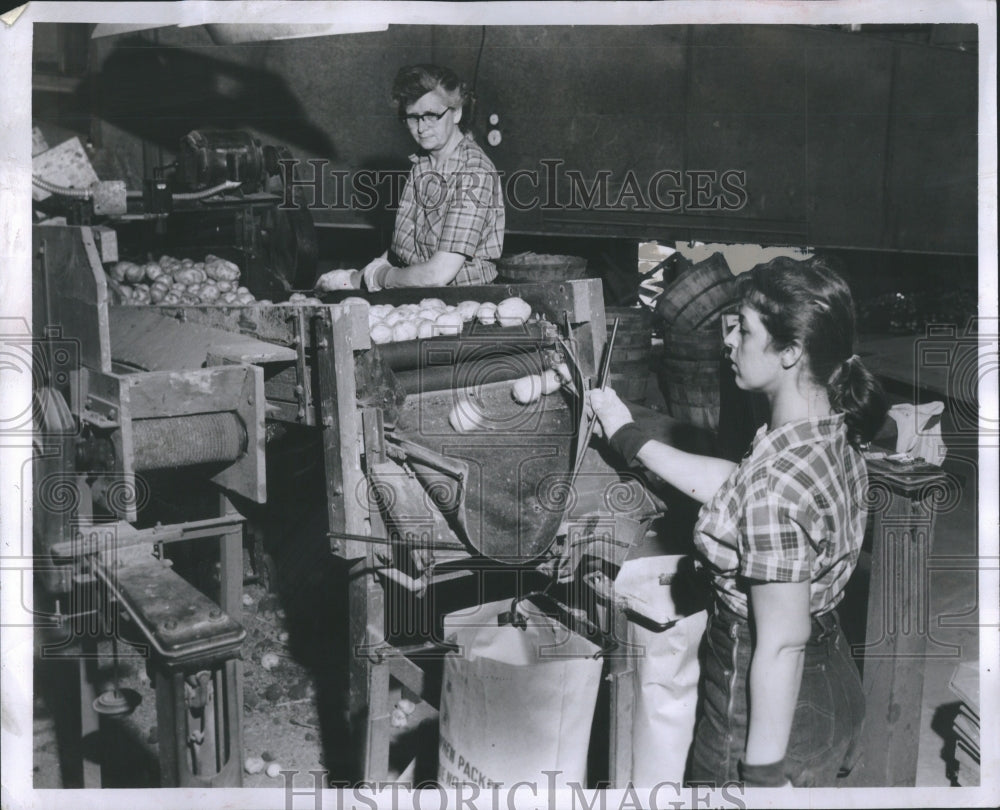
(456, 208)
(792, 511)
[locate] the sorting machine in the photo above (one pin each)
(153, 404)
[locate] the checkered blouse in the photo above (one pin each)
(793, 510)
(457, 208)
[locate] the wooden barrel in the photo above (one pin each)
(697, 297)
(688, 375)
(630, 370)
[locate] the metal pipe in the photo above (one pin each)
(62, 191)
(208, 192)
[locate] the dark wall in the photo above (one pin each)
(845, 140)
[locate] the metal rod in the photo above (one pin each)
(386, 541)
(602, 382)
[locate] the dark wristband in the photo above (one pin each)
(627, 441)
(771, 775)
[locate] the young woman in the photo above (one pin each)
(450, 223)
(781, 699)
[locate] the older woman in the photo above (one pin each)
(450, 223)
(781, 699)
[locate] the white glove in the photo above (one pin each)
(610, 411)
(374, 273)
(338, 280)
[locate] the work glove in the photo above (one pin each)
(610, 411)
(338, 280)
(374, 273)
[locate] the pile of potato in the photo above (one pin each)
(172, 281)
(433, 317)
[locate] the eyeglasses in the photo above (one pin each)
(426, 118)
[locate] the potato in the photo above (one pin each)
(190, 275)
(432, 303)
(404, 330)
(187, 262)
(467, 309)
(224, 286)
(296, 297)
(165, 260)
(513, 311)
(527, 389)
(209, 292)
(171, 298)
(380, 333)
(221, 270)
(245, 298)
(550, 381)
(487, 313)
(425, 328)
(448, 323)
(154, 272)
(158, 292)
(394, 317)
(380, 310)
(119, 270)
(245, 290)
(227, 298)
(189, 299)
(134, 273)
(178, 288)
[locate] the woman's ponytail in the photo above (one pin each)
(855, 392)
(808, 303)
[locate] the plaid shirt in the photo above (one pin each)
(457, 209)
(793, 510)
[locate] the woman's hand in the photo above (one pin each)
(610, 411)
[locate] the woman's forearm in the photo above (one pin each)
(439, 271)
(775, 678)
(782, 622)
(699, 477)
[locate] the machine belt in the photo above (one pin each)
(473, 372)
(182, 441)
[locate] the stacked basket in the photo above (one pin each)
(629, 366)
(691, 308)
(540, 268)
